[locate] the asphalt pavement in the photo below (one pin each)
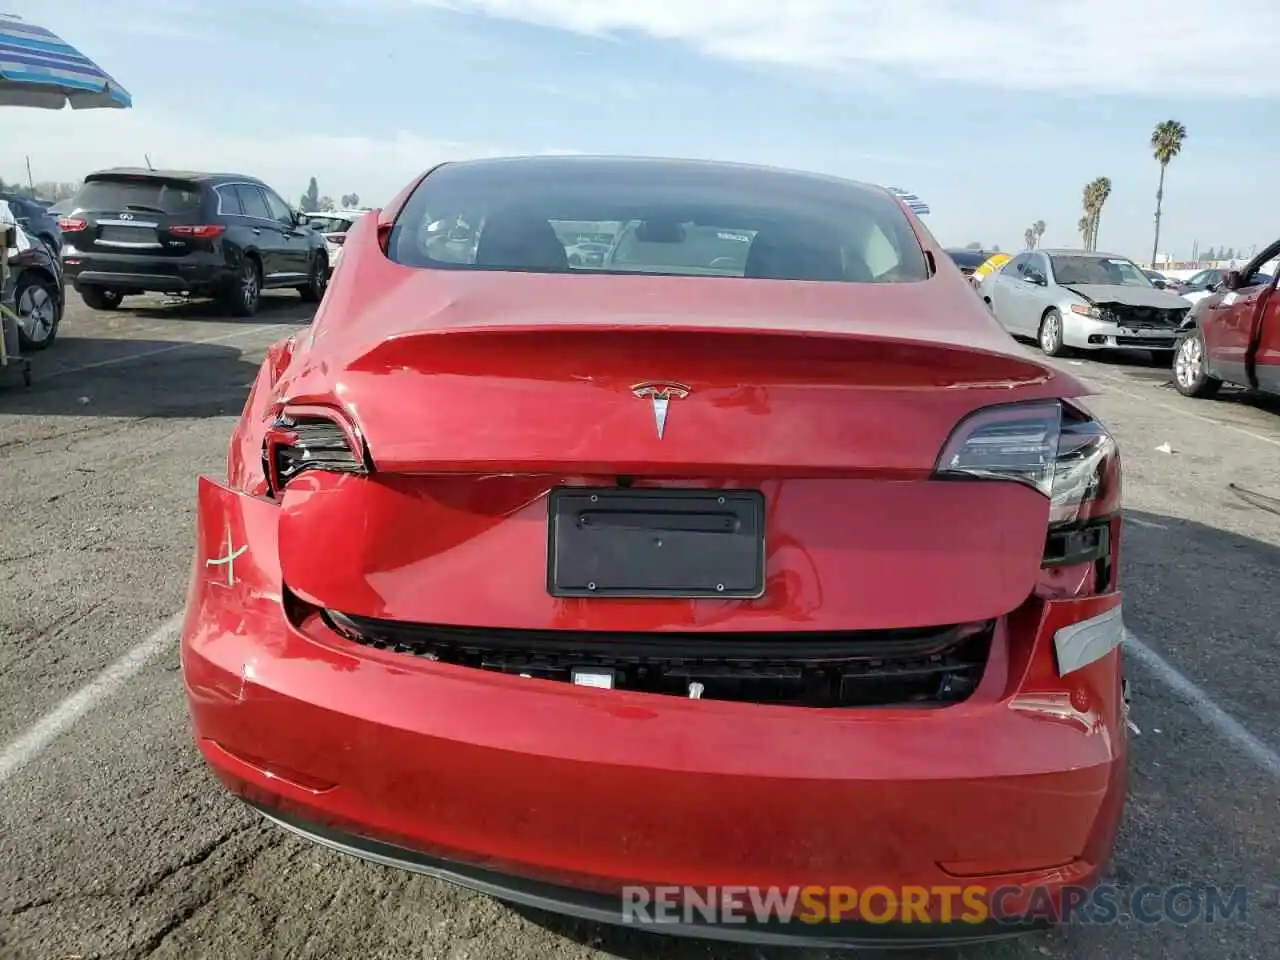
(115, 842)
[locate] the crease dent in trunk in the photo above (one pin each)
(470, 432)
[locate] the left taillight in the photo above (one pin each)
(202, 231)
(72, 224)
(296, 444)
(1055, 448)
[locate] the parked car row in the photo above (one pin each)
(1218, 326)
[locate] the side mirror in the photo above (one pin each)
(1031, 276)
(1232, 281)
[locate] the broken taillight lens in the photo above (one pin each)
(296, 444)
(1051, 446)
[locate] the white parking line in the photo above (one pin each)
(1200, 703)
(20, 752)
(235, 335)
(1144, 523)
(1178, 410)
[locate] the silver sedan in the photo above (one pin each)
(1080, 300)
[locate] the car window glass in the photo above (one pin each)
(143, 195)
(253, 202)
(1017, 264)
(279, 209)
(1091, 269)
(672, 221)
(229, 202)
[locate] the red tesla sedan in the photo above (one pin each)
(755, 555)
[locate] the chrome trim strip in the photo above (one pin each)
(129, 246)
(128, 223)
(1083, 643)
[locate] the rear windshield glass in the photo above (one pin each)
(153, 196)
(572, 216)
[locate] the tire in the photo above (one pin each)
(242, 297)
(1190, 375)
(313, 290)
(35, 301)
(1050, 335)
(100, 298)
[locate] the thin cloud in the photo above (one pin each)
(1178, 47)
(374, 167)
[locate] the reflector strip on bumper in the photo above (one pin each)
(1082, 643)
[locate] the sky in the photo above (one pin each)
(996, 115)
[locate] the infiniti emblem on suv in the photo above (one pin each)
(660, 392)
(126, 216)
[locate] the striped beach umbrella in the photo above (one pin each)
(40, 69)
(914, 203)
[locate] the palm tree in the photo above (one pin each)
(1089, 201)
(1166, 143)
(1038, 229)
(1030, 237)
(1101, 191)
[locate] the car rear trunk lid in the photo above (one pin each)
(135, 214)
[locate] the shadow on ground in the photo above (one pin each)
(274, 303)
(138, 378)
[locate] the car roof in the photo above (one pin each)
(146, 173)
(586, 165)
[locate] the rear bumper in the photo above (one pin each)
(196, 272)
(575, 793)
(607, 909)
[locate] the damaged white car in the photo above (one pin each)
(1079, 300)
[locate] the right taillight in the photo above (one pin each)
(298, 443)
(1055, 448)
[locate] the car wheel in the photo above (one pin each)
(100, 298)
(245, 293)
(1050, 336)
(35, 301)
(1190, 374)
(313, 290)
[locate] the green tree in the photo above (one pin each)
(1166, 143)
(310, 201)
(350, 201)
(973, 246)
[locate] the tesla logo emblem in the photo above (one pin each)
(126, 216)
(661, 394)
(228, 559)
